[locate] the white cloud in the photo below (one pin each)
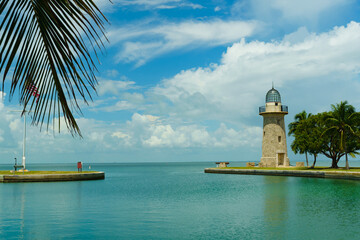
(296, 37)
(141, 43)
(151, 118)
(249, 136)
(107, 6)
(147, 2)
(114, 86)
(112, 73)
(100, 137)
(161, 4)
(165, 7)
(119, 106)
(117, 98)
(119, 102)
(151, 131)
(192, 5)
(235, 88)
(11, 129)
(120, 134)
(279, 12)
(15, 125)
(2, 135)
(184, 136)
(304, 8)
(135, 98)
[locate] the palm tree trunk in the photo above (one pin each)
(307, 162)
(313, 165)
(347, 162)
(346, 157)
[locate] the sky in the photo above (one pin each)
(183, 80)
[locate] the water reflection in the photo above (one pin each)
(35, 210)
(17, 217)
(327, 196)
(79, 194)
(276, 206)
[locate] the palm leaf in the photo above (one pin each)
(44, 43)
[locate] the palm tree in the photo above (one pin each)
(44, 49)
(343, 120)
(292, 129)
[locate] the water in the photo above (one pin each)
(179, 201)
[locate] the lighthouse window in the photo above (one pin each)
(279, 139)
(264, 133)
(276, 104)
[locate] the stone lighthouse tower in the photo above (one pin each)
(274, 150)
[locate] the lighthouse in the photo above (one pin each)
(274, 149)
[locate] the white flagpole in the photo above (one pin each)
(24, 138)
(24, 143)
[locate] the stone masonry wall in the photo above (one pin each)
(274, 139)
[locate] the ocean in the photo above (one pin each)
(178, 201)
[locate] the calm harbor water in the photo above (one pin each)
(179, 201)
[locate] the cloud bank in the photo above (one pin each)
(215, 106)
(107, 6)
(233, 89)
(140, 43)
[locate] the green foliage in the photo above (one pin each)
(299, 146)
(344, 121)
(333, 134)
(42, 45)
(298, 118)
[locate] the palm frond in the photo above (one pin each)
(44, 43)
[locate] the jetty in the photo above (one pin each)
(313, 173)
(46, 176)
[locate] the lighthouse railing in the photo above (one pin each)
(262, 109)
(284, 108)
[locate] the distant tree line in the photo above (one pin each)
(334, 134)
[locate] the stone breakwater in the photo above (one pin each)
(52, 177)
(291, 173)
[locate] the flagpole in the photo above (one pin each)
(24, 143)
(34, 92)
(23, 163)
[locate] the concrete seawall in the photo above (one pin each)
(52, 177)
(292, 173)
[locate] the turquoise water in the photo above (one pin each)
(179, 201)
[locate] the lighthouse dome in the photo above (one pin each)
(273, 95)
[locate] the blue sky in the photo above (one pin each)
(182, 80)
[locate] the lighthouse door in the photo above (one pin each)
(281, 159)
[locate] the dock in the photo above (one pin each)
(348, 175)
(12, 178)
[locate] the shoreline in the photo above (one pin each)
(288, 173)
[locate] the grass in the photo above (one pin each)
(42, 172)
(326, 169)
